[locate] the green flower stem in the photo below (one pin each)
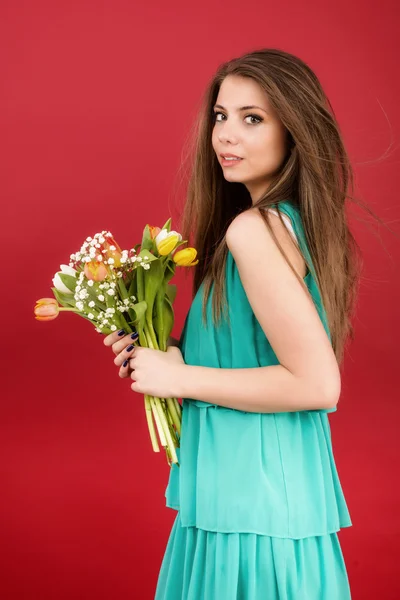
(170, 443)
(177, 407)
(150, 423)
(123, 324)
(60, 308)
(174, 415)
(157, 417)
(151, 335)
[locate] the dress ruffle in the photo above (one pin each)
(266, 473)
(204, 565)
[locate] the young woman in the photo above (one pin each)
(257, 494)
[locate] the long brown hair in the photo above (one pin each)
(316, 176)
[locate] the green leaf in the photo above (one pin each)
(171, 291)
(147, 242)
(150, 257)
(122, 289)
(153, 278)
(180, 243)
(65, 300)
(132, 287)
(167, 225)
(69, 281)
(140, 309)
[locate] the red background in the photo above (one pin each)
(98, 99)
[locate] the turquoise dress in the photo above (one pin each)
(258, 496)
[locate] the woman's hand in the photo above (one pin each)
(121, 346)
(154, 372)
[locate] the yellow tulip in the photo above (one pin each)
(185, 257)
(166, 243)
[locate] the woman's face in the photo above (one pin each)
(256, 135)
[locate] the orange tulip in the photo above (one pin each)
(111, 249)
(95, 270)
(46, 309)
(154, 231)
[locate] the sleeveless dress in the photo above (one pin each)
(258, 496)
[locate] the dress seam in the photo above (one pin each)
(284, 477)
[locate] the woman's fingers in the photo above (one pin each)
(119, 343)
(124, 355)
(124, 370)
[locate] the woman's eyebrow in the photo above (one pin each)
(242, 108)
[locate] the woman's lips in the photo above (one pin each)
(230, 163)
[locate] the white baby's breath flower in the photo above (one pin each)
(101, 297)
(92, 303)
(113, 328)
(90, 282)
(110, 261)
(99, 257)
(79, 305)
(111, 292)
(97, 329)
(91, 316)
(146, 266)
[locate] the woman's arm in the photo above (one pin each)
(259, 389)
(308, 376)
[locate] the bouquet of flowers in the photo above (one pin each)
(131, 290)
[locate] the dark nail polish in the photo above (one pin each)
(121, 332)
(134, 336)
(129, 348)
(125, 362)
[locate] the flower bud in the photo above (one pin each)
(95, 270)
(185, 257)
(46, 309)
(58, 284)
(154, 231)
(166, 241)
(111, 249)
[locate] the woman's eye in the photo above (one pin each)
(259, 119)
